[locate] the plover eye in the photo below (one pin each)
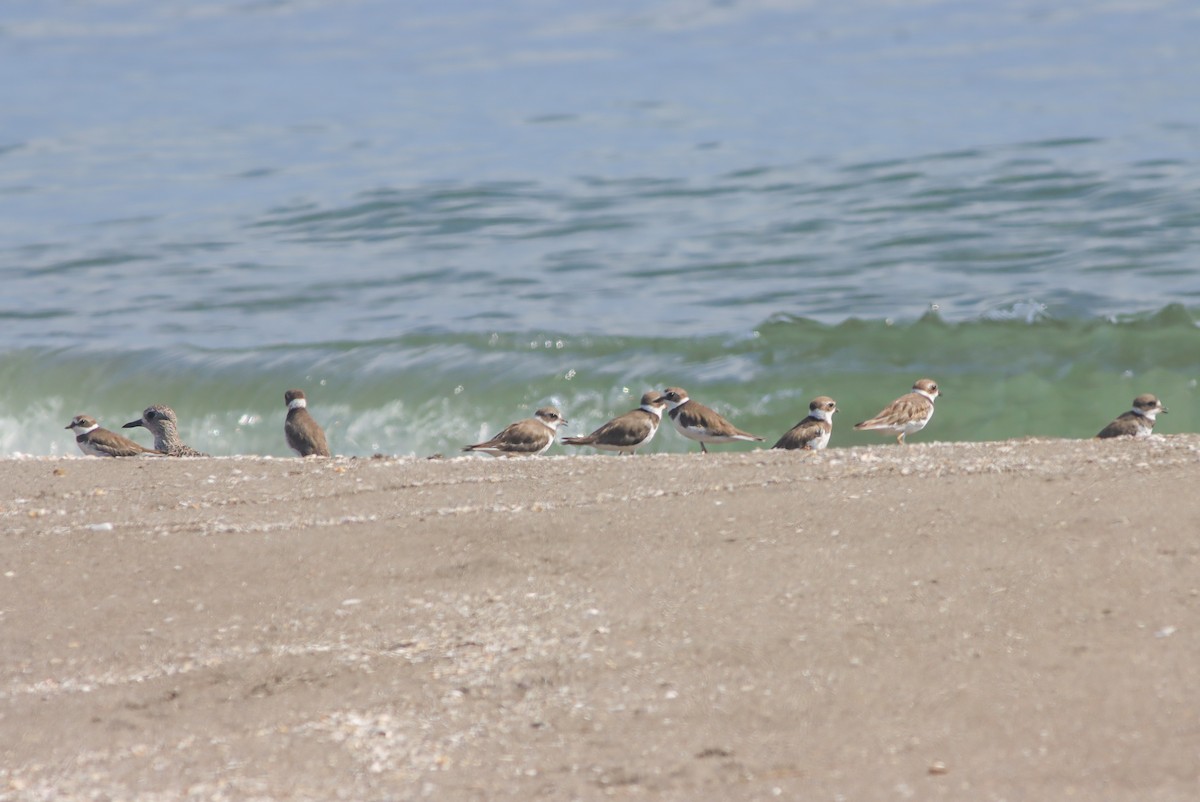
(150, 415)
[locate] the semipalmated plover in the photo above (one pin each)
(162, 423)
(304, 435)
(1137, 422)
(94, 441)
(907, 414)
(812, 433)
(629, 432)
(697, 422)
(527, 437)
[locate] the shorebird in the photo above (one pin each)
(94, 441)
(162, 423)
(907, 414)
(528, 437)
(812, 433)
(629, 432)
(1137, 422)
(697, 422)
(304, 435)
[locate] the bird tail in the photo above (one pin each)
(576, 441)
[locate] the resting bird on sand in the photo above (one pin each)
(907, 414)
(812, 433)
(162, 423)
(528, 437)
(697, 422)
(629, 432)
(1137, 422)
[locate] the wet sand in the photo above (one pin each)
(979, 621)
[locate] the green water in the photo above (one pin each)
(435, 219)
(424, 394)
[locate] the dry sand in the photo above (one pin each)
(971, 621)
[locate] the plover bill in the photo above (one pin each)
(304, 435)
(697, 422)
(94, 441)
(1138, 421)
(907, 414)
(626, 433)
(812, 433)
(161, 421)
(528, 437)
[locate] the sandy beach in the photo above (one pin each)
(984, 621)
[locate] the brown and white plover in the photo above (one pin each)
(626, 433)
(304, 435)
(697, 422)
(527, 437)
(95, 441)
(907, 414)
(812, 433)
(1138, 421)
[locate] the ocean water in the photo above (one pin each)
(436, 217)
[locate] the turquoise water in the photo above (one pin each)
(425, 394)
(437, 217)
